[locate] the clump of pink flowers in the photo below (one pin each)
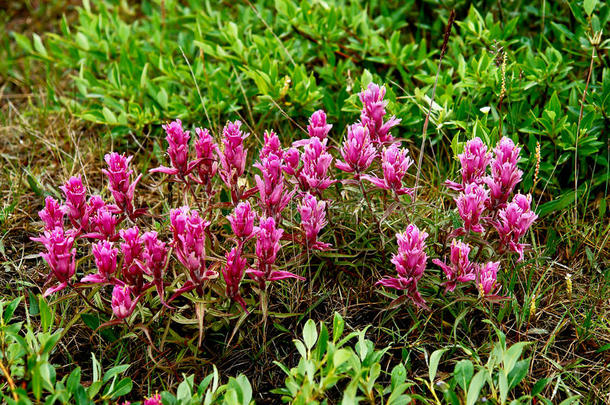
(410, 262)
(358, 150)
(373, 113)
(268, 237)
(265, 215)
(483, 207)
(395, 162)
(460, 269)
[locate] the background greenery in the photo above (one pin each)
(80, 78)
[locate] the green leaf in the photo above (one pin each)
(435, 357)
(341, 356)
(184, 391)
(310, 334)
(512, 355)
(122, 388)
(589, 6)
(144, 77)
(82, 41)
(503, 385)
(38, 46)
(10, 310)
(22, 41)
(539, 386)
(109, 116)
(399, 375)
(46, 316)
(115, 371)
(338, 325)
(477, 383)
(463, 372)
(97, 367)
(73, 380)
(518, 373)
(162, 98)
(36, 381)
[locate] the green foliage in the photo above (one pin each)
(25, 358)
(498, 379)
(325, 364)
(132, 67)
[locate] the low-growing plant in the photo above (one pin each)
(26, 365)
(329, 366)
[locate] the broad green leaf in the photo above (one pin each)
(82, 41)
(10, 310)
(73, 381)
(435, 357)
(122, 388)
(518, 373)
(512, 355)
(477, 383)
(463, 372)
(589, 6)
(310, 334)
(38, 46)
(115, 371)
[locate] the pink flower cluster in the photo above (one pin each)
(200, 170)
(410, 262)
(93, 218)
(373, 113)
(461, 270)
(488, 194)
(482, 205)
(282, 202)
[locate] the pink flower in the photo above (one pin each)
(292, 159)
(316, 161)
(206, 150)
(460, 270)
(358, 151)
(410, 262)
(271, 146)
(132, 251)
(267, 241)
(474, 160)
(487, 280)
(313, 219)
(233, 157)
(271, 186)
(233, 272)
(103, 225)
(122, 304)
(242, 220)
(119, 173)
(514, 222)
(267, 246)
(76, 202)
(60, 256)
(52, 214)
(471, 204)
(154, 260)
(373, 112)
(178, 151)
(154, 256)
(105, 260)
(395, 163)
(189, 245)
(317, 125)
(505, 174)
(154, 400)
